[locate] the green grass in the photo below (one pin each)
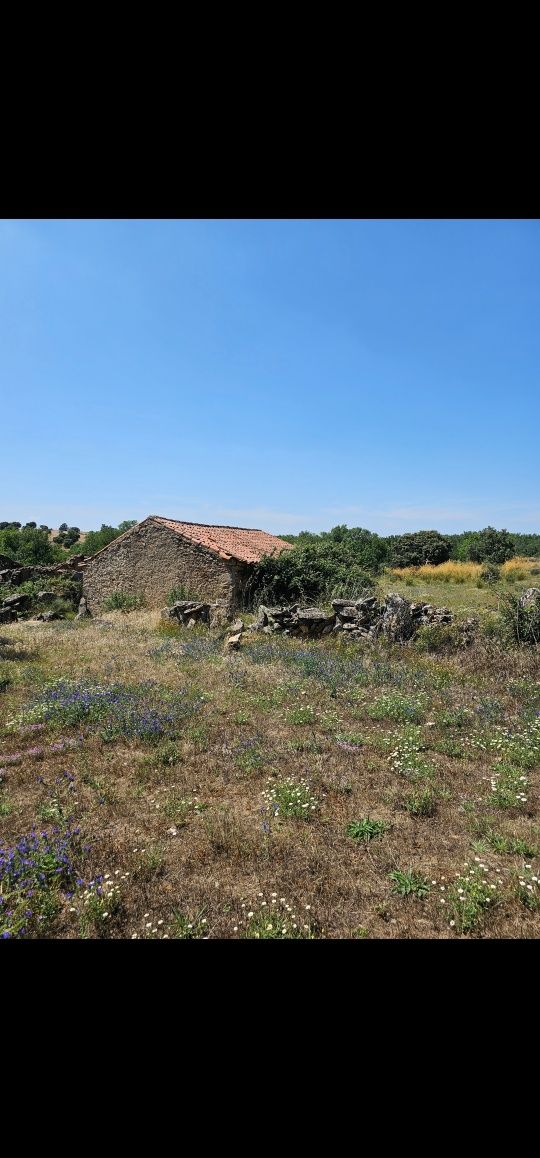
(407, 884)
(367, 829)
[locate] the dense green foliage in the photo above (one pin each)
(413, 550)
(95, 540)
(28, 545)
(492, 546)
(364, 548)
(313, 571)
(487, 546)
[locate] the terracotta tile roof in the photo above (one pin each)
(241, 543)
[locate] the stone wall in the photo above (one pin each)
(150, 560)
(393, 617)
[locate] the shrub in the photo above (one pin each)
(413, 550)
(522, 623)
(490, 573)
(177, 594)
(317, 571)
(29, 545)
(95, 540)
(119, 601)
(67, 536)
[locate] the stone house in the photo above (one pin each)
(158, 554)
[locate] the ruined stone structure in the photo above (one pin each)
(158, 554)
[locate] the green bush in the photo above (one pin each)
(315, 572)
(67, 536)
(29, 545)
(440, 637)
(490, 573)
(522, 624)
(177, 594)
(413, 550)
(119, 601)
(95, 540)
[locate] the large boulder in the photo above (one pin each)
(188, 612)
(397, 621)
(17, 602)
(6, 562)
(7, 615)
(311, 621)
(219, 613)
(15, 576)
(46, 597)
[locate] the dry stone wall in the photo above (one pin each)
(394, 618)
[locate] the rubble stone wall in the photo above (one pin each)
(150, 561)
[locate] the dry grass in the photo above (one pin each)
(454, 572)
(185, 824)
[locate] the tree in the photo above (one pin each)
(67, 536)
(418, 548)
(95, 540)
(28, 545)
(492, 546)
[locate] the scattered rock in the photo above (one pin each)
(17, 602)
(48, 616)
(7, 615)
(530, 597)
(219, 613)
(46, 596)
(189, 613)
(232, 643)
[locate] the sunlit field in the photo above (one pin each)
(453, 572)
(151, 787)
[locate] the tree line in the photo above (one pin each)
(343, 556)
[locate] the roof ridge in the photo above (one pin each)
(222, 526)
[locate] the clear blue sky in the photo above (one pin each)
(278, 374)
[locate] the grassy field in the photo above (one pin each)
(152, 788)
(459, 586)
